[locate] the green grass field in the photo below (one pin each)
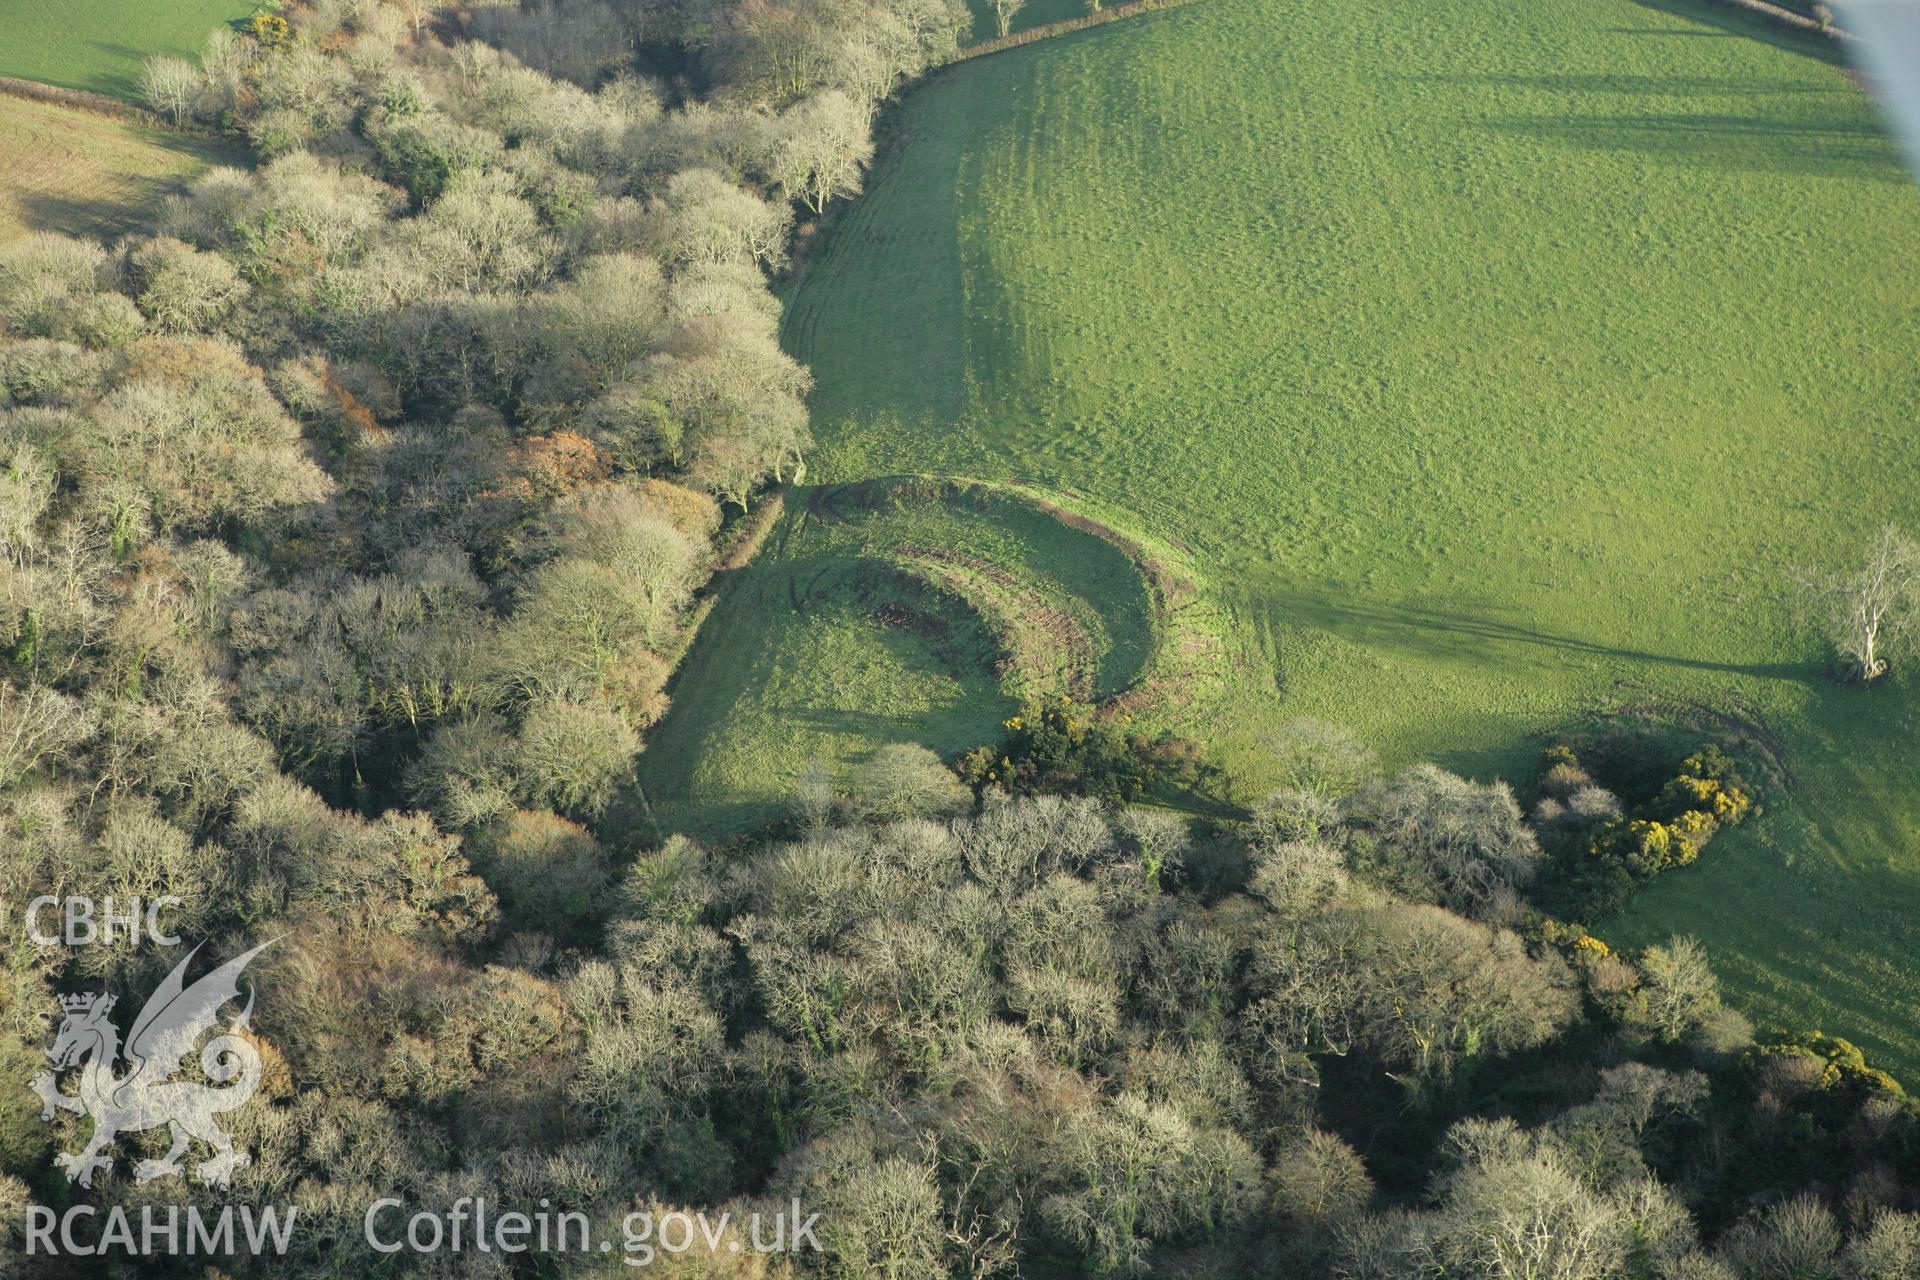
(83, 174)
(98, 44)
(1490, 368)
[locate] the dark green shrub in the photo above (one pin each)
(1842, 1065)
(1062, 746)
(417, 162)
(1670, 829)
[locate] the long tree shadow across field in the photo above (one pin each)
(1675, 86)
(1428, 628)
(1850, 146)
(46, 211)
(119, 85)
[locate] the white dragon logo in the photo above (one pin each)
(174, 1017)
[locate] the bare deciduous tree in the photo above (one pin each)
(906, 780)
(1323, 759)
(824, 145)
(37, 724)
(1319, 1181)
(1679, 986)
(1528, 1217)
(1867, 613)
(170, 86)
(417, 13)
(1441, 835)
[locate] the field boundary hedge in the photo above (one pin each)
(1000, 44)
(1791, 17)
(1032, 35)
(98, 103)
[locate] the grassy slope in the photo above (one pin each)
(1492, 369)
(98, 44)
(83, 174)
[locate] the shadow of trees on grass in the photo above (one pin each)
(1833, 146)
(1466, 630)
(1826, 130)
